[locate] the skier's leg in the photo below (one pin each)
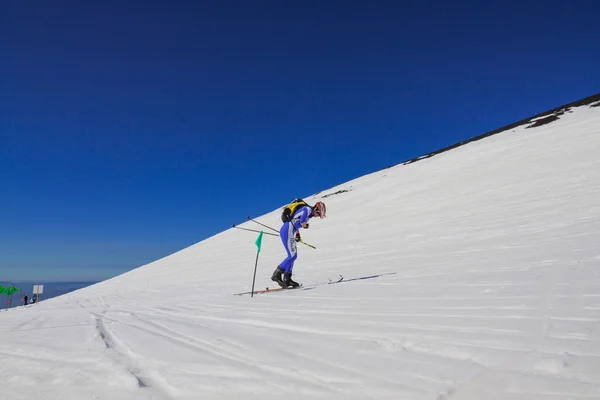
(292, 255)
(287, 272)
(286, 233)
(287, 238)
(287, 276)
(277, 276)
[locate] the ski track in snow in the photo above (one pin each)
(475, 275)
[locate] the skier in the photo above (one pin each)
(290, 234)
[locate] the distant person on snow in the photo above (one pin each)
(25, 300)
(294, 217)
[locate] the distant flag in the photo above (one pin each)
(10, 290)
(2, 289)
(259, 241)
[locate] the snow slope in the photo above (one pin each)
(482, 281)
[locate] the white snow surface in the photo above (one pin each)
(488, 259)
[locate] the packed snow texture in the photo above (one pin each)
(482, 281)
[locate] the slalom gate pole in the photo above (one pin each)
(252, 230)
(254, 278)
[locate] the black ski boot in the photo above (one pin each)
(287, 280)
(277, 277)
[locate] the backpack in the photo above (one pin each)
(290, 209)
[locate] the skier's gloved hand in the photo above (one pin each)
(298, 238)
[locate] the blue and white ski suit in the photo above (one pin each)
(288, 233)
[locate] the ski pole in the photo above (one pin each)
(309, 245)
(253, 220)
(252, 230)
(304, 243)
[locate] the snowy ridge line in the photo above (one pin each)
(590, 100)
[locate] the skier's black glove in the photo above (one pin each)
(298, 238)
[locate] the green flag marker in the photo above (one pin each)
(259, 240)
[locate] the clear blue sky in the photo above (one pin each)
(130, 130)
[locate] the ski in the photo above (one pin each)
(268, 290)
(280, 289)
